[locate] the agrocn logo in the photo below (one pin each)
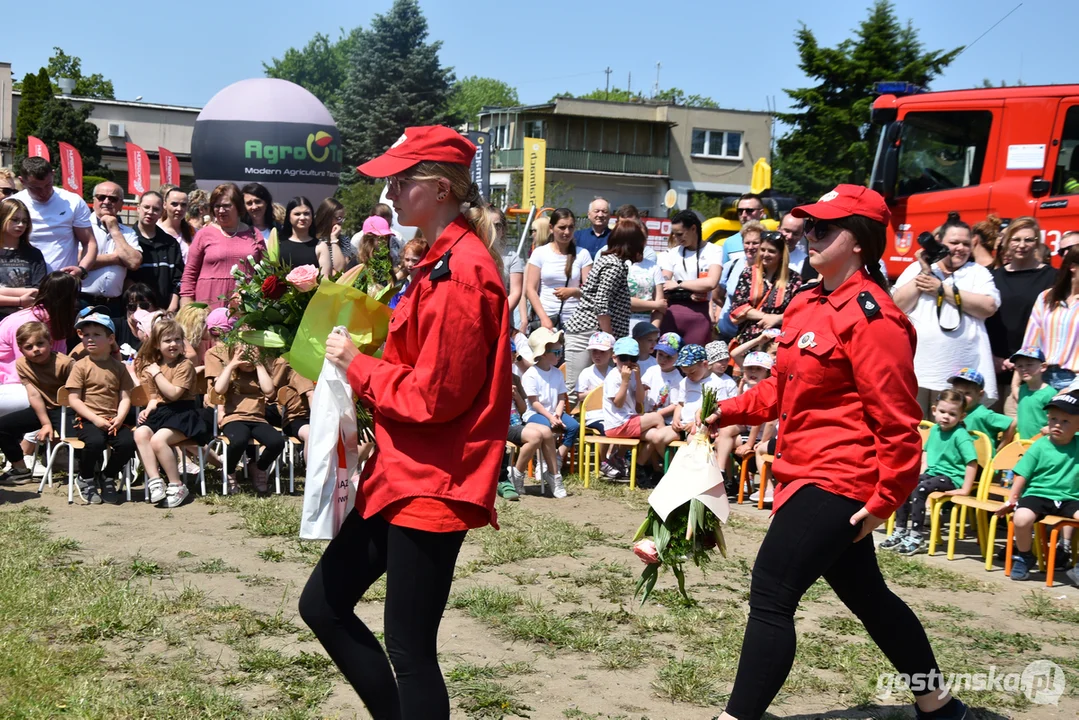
(319, 147)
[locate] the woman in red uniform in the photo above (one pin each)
(848, 454)
(439, 395)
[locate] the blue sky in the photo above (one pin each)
(736, 55)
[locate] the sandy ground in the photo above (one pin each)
(563, 683)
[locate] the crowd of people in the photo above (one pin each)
(94, 306)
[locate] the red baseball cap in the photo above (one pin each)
(430, 143)
(844, 201)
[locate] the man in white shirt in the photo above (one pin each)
(119, 247)
(793, 231)
(60, 220)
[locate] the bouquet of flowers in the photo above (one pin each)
(686, 512)
(270, 302)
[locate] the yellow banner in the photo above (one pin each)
(535, 172)
(762, 176)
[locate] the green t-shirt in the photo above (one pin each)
(949, 452)
(1031, 416)
(985, 421)
(1051, 470)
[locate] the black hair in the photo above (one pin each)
(298, 201)
(872, 238)
(57, 295)
(259, 191)
(953, 221)
(140, 292)
(1062, 288)
(35, 167)
(688, 218)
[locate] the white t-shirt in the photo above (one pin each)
(588, 381)
(690, 394)
(659, 386)
(545, 385)
(687, 264)
(941, 353)
(647, 364)
(618, 415)
(53, 224)
(643, 278)
(553, 275)
(108, 280)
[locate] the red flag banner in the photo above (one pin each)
(138, 170)
(36, 148)
(170, 167)
(71, 168)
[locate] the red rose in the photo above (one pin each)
(273, 288)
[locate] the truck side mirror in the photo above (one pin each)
(887, 172)
(1040, 186)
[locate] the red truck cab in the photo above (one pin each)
(1009, 151)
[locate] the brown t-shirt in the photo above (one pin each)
(99, 384)
(296, 387)
(47, 377)
(244, 399)
(181, 373)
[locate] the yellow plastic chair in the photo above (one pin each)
(591, 446)
(983, 448)
(592, 401)
(984, 507)
(923, 429)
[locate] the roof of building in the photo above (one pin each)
(124, 103)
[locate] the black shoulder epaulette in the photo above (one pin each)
(807, 286)
(868, 303)
(441, 268)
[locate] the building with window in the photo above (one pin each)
(628, 152)
(148, 125)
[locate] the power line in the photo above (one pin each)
(998, 22)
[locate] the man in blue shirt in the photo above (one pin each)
(750, 207)
(595, 237)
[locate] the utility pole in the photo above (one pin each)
(629, 84)
(607, 91)
(655, 90)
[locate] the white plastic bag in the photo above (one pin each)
(332, 455)
(693, 473)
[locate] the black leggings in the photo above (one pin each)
(20, 422)
(810, 537)
(240, 432)
(914, 507)
(419, 569)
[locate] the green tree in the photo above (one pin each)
(62, 65)
(674, 96)
(612, 95)
(63, 122)
(472, 93)
(36, 93)
(321, 66)
(394, 80)
(831, 140)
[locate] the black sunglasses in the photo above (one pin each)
(133, 306)
(748, 210)
(628, 358)
(106, 198)
(8, 192)
(820, 228)
(771, 236)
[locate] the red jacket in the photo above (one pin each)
(441, 392)
(844, 391)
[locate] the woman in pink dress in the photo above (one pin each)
(217, 247)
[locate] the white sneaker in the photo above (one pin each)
(554, 482)
(756, 497)
(156, 487)
(518, 479)
(39, 468)
(175, 495)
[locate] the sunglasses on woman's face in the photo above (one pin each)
(819, 228)
(133, 306)
(7, 191)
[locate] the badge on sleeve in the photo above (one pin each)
(441, 268)
(806, 341)
(868, 304)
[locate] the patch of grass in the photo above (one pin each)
(184, 554)
(952, 611)
(485, 602)
(842, 625)
(567, 596)
(1040, 606)
(258, 580)
(479, 694)
(271, 554)
(912, 572)
(274, 516)
(213, 566)
(689, 681)
(377, 591)
(144, 568)
(526, 534)
(303, 680)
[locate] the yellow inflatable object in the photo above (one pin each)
(718, 229)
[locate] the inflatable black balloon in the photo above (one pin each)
(268, 131)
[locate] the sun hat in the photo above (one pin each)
(97, 319)
(541, 337)
(627, 346)
(376, 225)
(220, 319)
(643, 330)
(717, 351)
(1068, 402)
(669, 343)
(601, 341)
(758, 359)
(428, 143)
(1032, 352)
(969, 375)
(690, 355)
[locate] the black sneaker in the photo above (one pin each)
(87, 491)
(108, 492)
(645, 478)
(16, 476)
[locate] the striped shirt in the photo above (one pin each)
(1055, 331)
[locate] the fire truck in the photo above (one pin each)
(1009, 151)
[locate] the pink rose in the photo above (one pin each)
(646, 551)
(303, 278)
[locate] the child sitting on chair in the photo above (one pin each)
(1046, 481)
(623, 394)
(949, 465)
